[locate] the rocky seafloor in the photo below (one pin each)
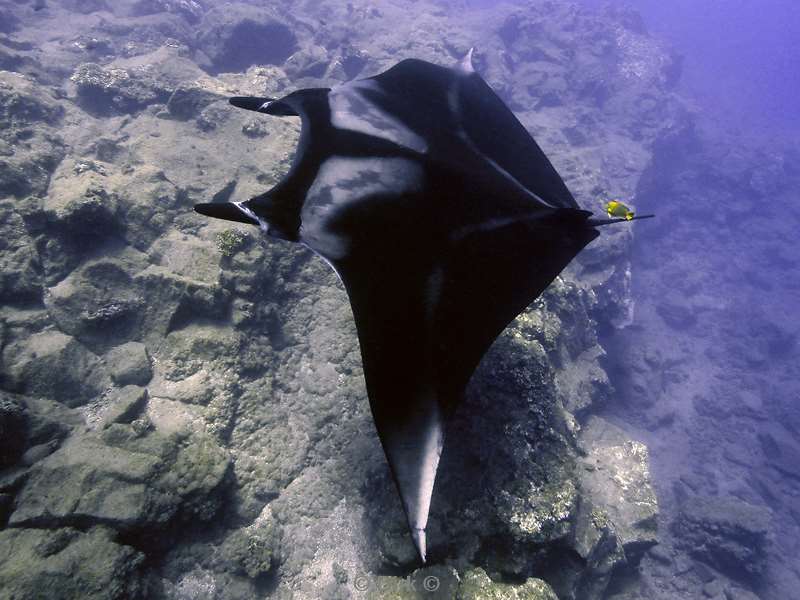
(183, 413)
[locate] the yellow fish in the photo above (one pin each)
(615, 208)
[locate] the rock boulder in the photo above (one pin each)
(13, 429)
(127, 481)
(54, 365)
(68, 563)
(727, 533)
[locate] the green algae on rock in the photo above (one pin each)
(54, 365)
(131, 483)
(253, 550)
(69, 563)
(230, 241)
(476, 585)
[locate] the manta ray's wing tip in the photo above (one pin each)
(257, 104)
(227, 211)
(267, 106)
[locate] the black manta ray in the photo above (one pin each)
(443, 219)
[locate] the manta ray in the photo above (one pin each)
(442, 218)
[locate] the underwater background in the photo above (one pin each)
(182, 406)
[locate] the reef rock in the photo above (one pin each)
(188, 101)
(130, 482)
(123, 405)
(29, 146)
(616, 477)
(102, 89)
(54, 365)
(191, 10)
(129, 364)
(97, 303)
(617, 518)
(23, 102)
(20, 268)
(476, 585)
(13, 429)
(235, 37)
(252, 550)
(129, 85)
(68, 563)
(727, 533)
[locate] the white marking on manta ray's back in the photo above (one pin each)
(454, 102)
(433, 292)
(491, 224)
(352, 111)
(466, 62)
(328, 262)
(342, 182)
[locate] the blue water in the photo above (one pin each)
(723, 420)
(741, 57)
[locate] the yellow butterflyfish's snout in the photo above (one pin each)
(617, 209)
